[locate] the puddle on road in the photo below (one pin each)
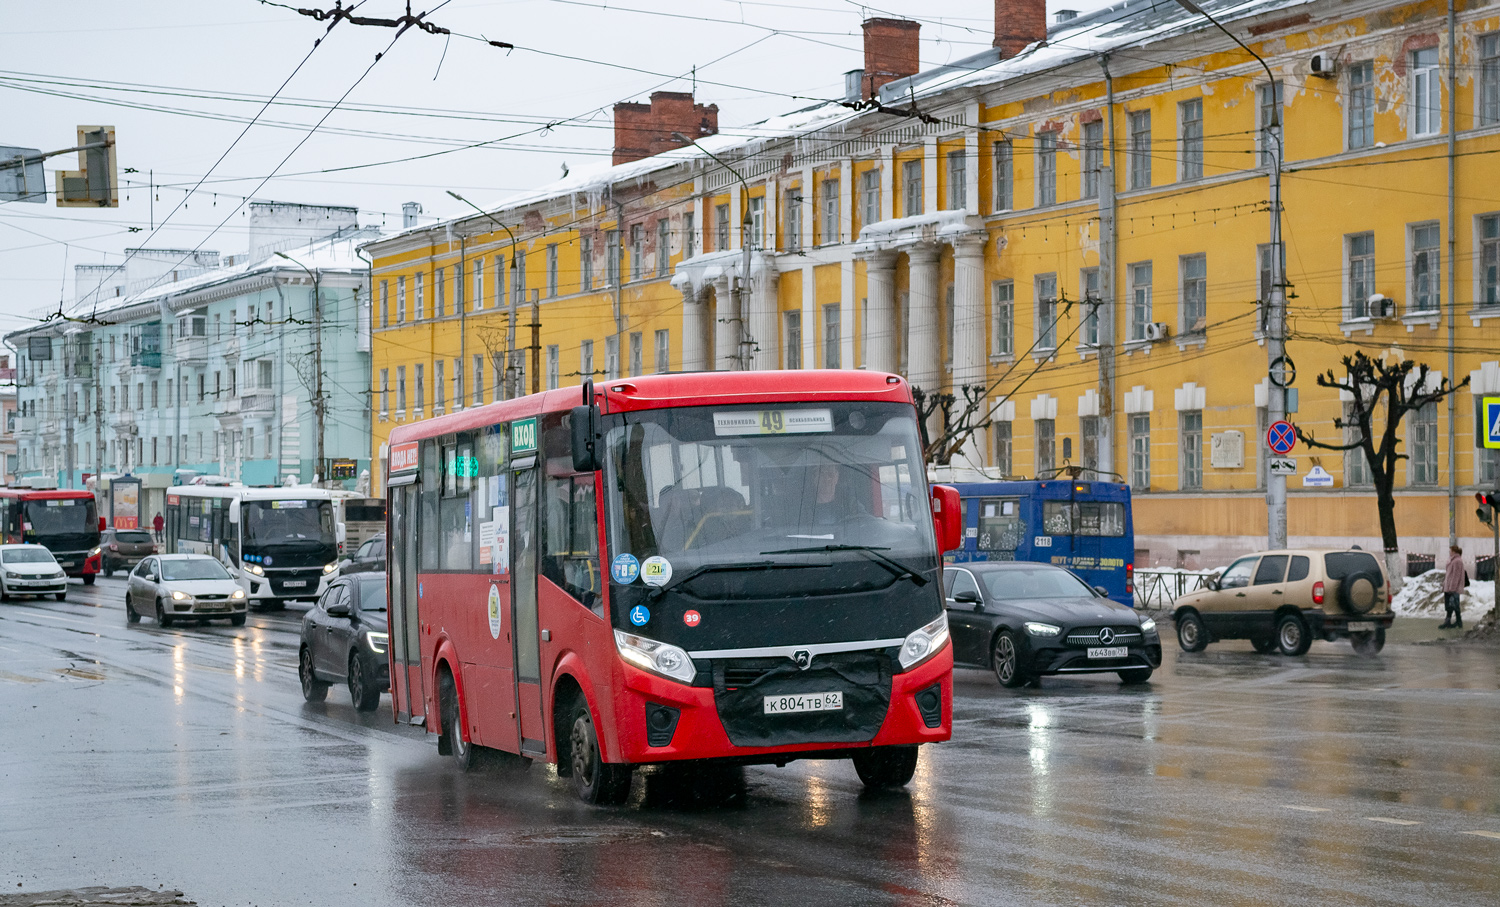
(577, 836)
(79, 673)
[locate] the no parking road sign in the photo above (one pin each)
(1280, 437)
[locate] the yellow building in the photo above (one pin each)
(1071, 228)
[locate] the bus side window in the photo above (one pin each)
(457, 507)
(570, 546)
(1000, 525)
(429, 553)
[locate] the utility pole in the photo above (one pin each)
(69, 410)
(98, 421)
(536, 347)
(320, 471)
(619, 277)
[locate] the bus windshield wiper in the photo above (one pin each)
(900, 570)
(696, 572)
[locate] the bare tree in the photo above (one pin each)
(1372, 386)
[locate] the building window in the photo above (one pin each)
(831, 325)
(793, 216)
(1004, 176)
(792, 342)
(1190, 449)
(831, 231)
(439, 387)
(552, 367)
(1046, 311)
(663, 246)
(869, 196)
(1139, 149)
(440, 293)
(721, 230)
(1003, 307)
(478, 284)
(1088, 285)
(958, 186)
(400, 300)
(458, 384)
(637, 354)
(418, 308)
(478, 379)
(1356, 466)
(1361, 115)
(1046, 447)
(1088, 438)
(586, 358)
(1267, 112)
(1426, 269)
(1194, 294)
(1190, 139)
(1140, 452)
(1361, 268)
(1046, 168)
(1002, 447)
(637, 251)
(911, 187)
(1426, 115)
(1093, 158)
(757, 237)
(1489, 260)
(421, 389)
(400, 397)
(1140, 300)
(551, 270)
(663, 352)
(1489, 80)
(1422, 468)
(689, 236)
(586, 263)
(612, 258)
(612, 357)
(385, 311)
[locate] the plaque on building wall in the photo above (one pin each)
(1227, 449)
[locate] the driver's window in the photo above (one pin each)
(144, 570)
(329, 597)
(963, 581)
(1238, 574)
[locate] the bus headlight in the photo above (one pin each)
(377, 641)
(254, 569)
(656, 657)
(180, 596)
(95, 551)
(329, 568)
(922, 644)
(237, 594)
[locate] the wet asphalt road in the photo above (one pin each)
(186, 758)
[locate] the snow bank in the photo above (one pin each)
(1422, 596)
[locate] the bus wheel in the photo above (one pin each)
(162, 620)
(460, 749)
(88, 579)
(886, 766)
(313, 689)
(596, 781)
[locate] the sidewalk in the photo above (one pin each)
(1421, 629)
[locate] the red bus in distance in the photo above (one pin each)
(730, 567)
(64, 521)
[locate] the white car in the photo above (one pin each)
(173, 586)
(30, 570)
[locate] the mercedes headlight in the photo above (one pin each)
(238, 594)
(180, 596)
(1036, 628)
(329, 568)
(377, 641)
(922, 644)
(656, 657)
(1148, 625)
(254, 568)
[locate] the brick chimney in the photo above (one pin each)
(892, 52)
(1019, 23)
(644, 130)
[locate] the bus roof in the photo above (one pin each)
(676, 389)
(45, 494)
(245, 493)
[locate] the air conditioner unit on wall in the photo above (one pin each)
(1324, 65)
(1156, 330)
(1382, 306)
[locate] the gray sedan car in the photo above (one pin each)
(172, 587)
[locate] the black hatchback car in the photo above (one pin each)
(370, 558)
(344, 639)
(1024, 620)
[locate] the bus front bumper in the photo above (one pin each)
(81, 563)
(660, 720)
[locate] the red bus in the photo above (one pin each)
(65, 522)
(716, 567)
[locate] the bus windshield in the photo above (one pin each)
(287, 522)
(703, 486)
(73, 516)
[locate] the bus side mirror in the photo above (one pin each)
(234, 512)
(585, 427)
(947, 518)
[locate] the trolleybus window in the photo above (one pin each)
(1000, 524)
(1088, 518)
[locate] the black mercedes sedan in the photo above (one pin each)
(344, 638)
(1024, 620)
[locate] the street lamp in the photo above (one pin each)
(319, 405)
(510, 335)
(742, 289)
(1276, 359)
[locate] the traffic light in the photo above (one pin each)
(1489, 505)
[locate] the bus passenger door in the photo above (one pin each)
(530, 709)
(407, 693)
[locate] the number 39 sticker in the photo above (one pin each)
(656, 571)
(692, 618)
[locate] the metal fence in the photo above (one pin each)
(1418, 564)
(1157, 589)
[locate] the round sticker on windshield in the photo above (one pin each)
(267, 561)
(494, 606)
(625, 568)
(656, 571)
(640, 615)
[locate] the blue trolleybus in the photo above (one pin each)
(1075, 523)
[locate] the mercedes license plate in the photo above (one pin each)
(804, 702)
(1361, 626)
(1109, 652)
(295, 583)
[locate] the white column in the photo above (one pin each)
(808, 206)
(726, 327)
(887, 182)
(929, 176)
(809, 313)
(693, 305)
(848, 324)
(923, 361)
(880, 311)
(968, 310)
(971, 165)
(766, 339)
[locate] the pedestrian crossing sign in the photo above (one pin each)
(1489, 419)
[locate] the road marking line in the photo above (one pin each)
(1389, 821)
(1305, 809)
(1484, 834)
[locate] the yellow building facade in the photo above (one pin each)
(959, 227)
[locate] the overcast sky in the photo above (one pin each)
(179, 81)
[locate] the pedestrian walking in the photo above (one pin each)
(157, 525)
(1455, 578)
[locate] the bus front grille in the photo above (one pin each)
(742, 685)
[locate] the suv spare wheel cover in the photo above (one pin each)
(1359, 592)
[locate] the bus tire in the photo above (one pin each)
(313, 689)
(460, 749)
(88, 579)
(886, 766)
(162, 619)
(362, 689)
(594, 780)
